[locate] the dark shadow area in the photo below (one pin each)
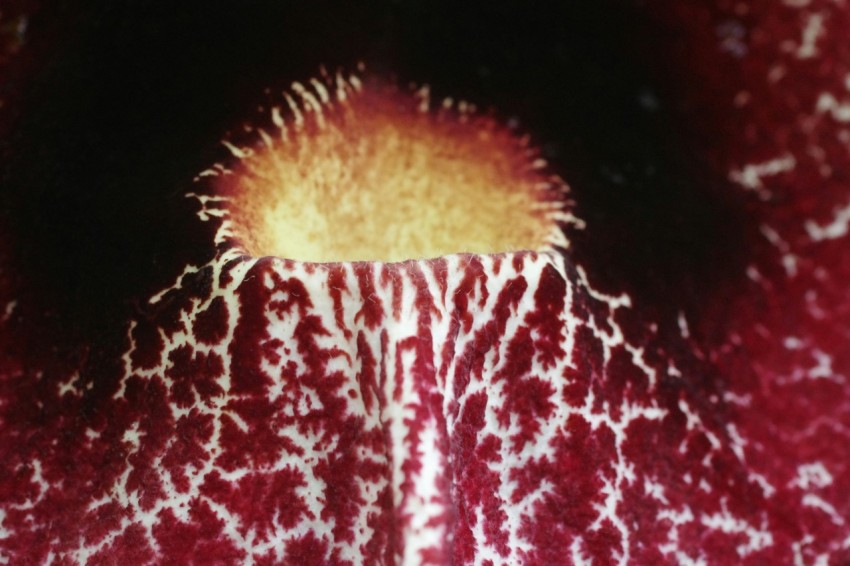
(133, 96)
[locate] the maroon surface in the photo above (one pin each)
(703, 421)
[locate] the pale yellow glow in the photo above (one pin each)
(373, 177)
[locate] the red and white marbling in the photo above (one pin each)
(481, 409)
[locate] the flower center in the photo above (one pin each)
(360, 172)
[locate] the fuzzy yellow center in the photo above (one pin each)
(376, 177)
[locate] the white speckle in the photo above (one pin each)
(789, 263)
(811, 33)
(827, 103)
(132, 437)
(724, 521)
(789, 260)
(68, 386)
(838, 228)
(683, 325)
(4, 532)
(673, 370)
(735, 399)
(766, 486)
(811, 500)
(812, 475)
(10, 308)
(654, 490)
(751, 176)
(737, 443)
(823, 369)
(798, 550)
(753, 274)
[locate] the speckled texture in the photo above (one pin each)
(523, 408)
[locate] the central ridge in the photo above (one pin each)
(347, 171)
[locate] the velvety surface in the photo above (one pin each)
(673, 388)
